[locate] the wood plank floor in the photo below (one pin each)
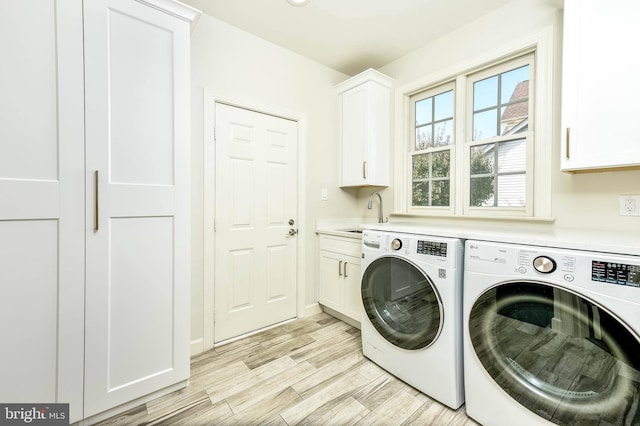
(306, 372)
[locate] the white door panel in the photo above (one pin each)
(137, 322)
(41, 203)
(256, 197)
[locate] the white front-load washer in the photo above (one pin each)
(551, 336)
(412, 299)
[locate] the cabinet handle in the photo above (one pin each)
(345, 270)
(96, 223)
(364, 170)
(567, 144)
(340, 268)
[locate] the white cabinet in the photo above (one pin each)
(41, 203)
(138, 178)
(94, 266)
(365, 117)
(600, 127)
(339, 283)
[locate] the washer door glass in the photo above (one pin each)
(563, 357)
(401, 303)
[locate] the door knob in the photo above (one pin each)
(292, 232)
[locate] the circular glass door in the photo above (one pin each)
(401, 303)
(561, 356)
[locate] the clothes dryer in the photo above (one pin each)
(551, 336)
(412, 299)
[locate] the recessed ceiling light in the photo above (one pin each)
(298, 2)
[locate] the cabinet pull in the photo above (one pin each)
(567, 144)
(345, 270)
(96, 223)
(364, 170)
(340, 268)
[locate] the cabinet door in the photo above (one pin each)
(600, 127)
(354, 136)
(41, 203)
(137, 157)
(352, 291)
(330, 287)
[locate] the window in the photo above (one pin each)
(432, 148)
(476, 159)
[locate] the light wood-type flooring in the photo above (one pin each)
(306, 372)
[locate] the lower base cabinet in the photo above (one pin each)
(339, 284)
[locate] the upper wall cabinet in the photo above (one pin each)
(600, 126)
(364, 104)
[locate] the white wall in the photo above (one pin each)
(237, 65)
(580, 201)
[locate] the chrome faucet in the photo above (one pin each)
(381, 218)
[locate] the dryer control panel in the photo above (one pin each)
(615, 273)
(433, 248)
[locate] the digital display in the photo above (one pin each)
(615, 273)
(433, 248)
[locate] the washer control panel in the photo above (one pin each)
(615, 273)
(433, 248)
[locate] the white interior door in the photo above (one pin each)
(41, 203)
(256, 200)
(138, 228)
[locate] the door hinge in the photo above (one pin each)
(214, 133)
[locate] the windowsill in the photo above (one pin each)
(527, 219)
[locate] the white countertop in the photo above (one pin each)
(602, 241)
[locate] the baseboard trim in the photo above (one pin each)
(197, 346)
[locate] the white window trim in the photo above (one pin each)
(542, 42)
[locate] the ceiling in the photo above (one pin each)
(349, 35)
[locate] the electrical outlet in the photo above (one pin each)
(324, 194)
(629, 205)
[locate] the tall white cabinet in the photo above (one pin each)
(599, 119)
(365, 127)
(94, 198)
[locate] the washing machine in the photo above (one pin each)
(551, 336)
(412, 299)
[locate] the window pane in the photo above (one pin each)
(485, 93)
(431, 179)
(444, 105)
(485, 125)
(482, 159)
(512, 156)
(510, 82)
(440, 196)
(441, 164)
(424, 111)
(511, 190)
(421, 166)
(444, 133)
(424, 138)
(420, 194)
(514, 118)
(481, 191)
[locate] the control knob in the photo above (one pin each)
(544, 264)
(396, 244)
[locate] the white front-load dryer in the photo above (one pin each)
(551, 336)
(412, 299)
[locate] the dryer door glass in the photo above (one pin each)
(563, 357)
(401, 303)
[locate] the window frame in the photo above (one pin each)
(528, 136)
(416, 97)
(540, 153)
